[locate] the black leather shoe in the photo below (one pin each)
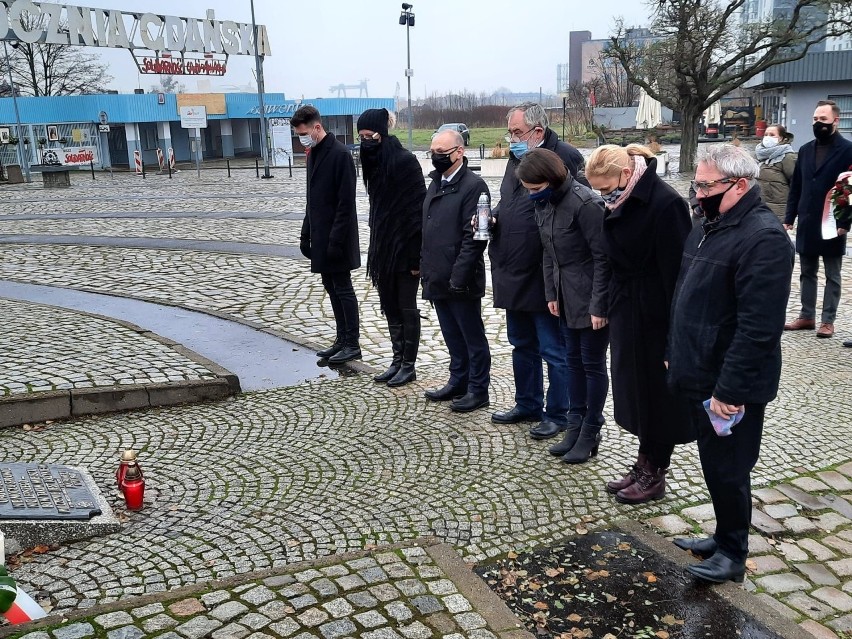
(446, 393)
(718, 569)
(546, 430)
(704, 547)
(345, 354)
(331, 350)
(848, 343)
(469, 402)
(514, 416)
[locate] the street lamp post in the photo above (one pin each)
(22, 158)
(406, 18)
(258, 62)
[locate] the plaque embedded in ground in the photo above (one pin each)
(45, 491)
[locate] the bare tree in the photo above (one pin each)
(707, 49)
(168, 84)
(613, 87)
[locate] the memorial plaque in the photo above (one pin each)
(44, 491)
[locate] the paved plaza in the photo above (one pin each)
(265, 479)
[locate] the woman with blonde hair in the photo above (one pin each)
(644, 229)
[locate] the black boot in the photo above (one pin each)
(587, 444)
(396, 333)
(572, 433)
(333, 349)
(411, 344)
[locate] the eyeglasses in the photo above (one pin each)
(435, 152)
(514, 136)
(705, 187)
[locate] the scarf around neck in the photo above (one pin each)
(773, 155)
(640, 164)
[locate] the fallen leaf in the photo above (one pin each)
(540, 605)
(582, 530)
(609, 635)
(596, 548)
(574, 617)
(623, 546)
(662, 634)
(554, 572)
(41, 549)
(609, 598)
(751, 566)
(512, 555)
(588, 519)
(534, 586)
(650, 577)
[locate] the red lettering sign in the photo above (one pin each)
(160, 66)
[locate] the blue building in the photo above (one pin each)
(67, 127)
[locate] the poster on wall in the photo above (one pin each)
(79, 156)
(282, 141)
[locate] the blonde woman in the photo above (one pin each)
(645, 225)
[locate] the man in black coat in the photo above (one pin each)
(820, 162)
(518, 283)
(329, 236)
(724, 343)
(452, 269)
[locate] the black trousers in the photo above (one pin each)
(398, 295)
(344, 304)
(658, 453)
(464, 335)
(727, 463)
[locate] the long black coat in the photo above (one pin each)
(807, 197)
(331, 220)
(515, 250)
(576, 270)
(449, 254)
(643, 239)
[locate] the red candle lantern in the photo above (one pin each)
(127, 457)
(133, 487)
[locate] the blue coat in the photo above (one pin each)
(807, 197)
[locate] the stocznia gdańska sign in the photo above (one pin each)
(42, 22)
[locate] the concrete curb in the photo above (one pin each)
(55, 405)
(496, 614)
(735, 595)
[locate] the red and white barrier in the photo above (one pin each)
(137, 159)
(24, 609)
(172, 158)
(160, 159)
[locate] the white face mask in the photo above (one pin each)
(769, 142)
(307, 141)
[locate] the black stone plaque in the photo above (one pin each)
(44, 491)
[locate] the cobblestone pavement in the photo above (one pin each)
(270, 478)
(43, 348)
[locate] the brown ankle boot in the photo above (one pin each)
(650, 484)
(629, 479)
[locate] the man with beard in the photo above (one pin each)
(396, 188)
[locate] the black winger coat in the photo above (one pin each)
(643, 239)
(449, 254)
(515, 249)
(331, 222)
(729, 307)
(807, 196)
(576, 271)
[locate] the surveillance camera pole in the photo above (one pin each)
(25, 162)
(409, 72)
(258, 61)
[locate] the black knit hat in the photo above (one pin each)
(375, 120)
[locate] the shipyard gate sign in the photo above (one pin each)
(152, 38)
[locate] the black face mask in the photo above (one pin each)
(823, 130)
(710, 205)
(442, 162)
(370, 147)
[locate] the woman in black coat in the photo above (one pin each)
(396, 188)
(645, 227)
(576, 285)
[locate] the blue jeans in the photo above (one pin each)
(535, 337)
(588, 381)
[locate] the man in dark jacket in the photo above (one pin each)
(453, 272)
(329, 236)
(820, 162)
(725, 342)
(518, 283)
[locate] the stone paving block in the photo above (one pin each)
(232, 631)
(818, 574)
(427, 604)
(835, 480)
(481, 633)
(381, 633)
(198, 627)
(708, 527)
(809, 606)
(799, 525)
(278, 580)
(834, 598)
(159, 622)
(809, 484)
(212, 599)
(670, 524)
(767, 563)
(416, 630)
(74, 631)
(841, 545)
(787, 582)
(764, 523)
(337, 629)
(441, 587)
(373, 574)
(350, 582)
(303, 602)
(399, 611)
(845, 534)
(325, 587)
(816, 549)
(363, 599)
(371, 619)
(769, 495)
(772, 603)
(846, 469)
(114, 619)
(228, 610)
(806, 500)
(341, 608)
(107, 399)
(308, 575)
(285, 627)
(258, 595)
(398, 571)
(384, 592)
(792, 552)
(842, 624)
(781, 511)
(127, 632)
(186, 607)
(817, 630)
(831, 520)
(839, 504)
(758, 545)
(312, 617)
(470, 620)
(275, 610)
(147, 611)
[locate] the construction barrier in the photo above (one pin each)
(172, 158)
(137, 159)
(160, 159)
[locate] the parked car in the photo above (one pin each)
(455, 126)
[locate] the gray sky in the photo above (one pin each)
(478, 45)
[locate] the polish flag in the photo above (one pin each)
(24, 609)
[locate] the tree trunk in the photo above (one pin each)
(689, 119)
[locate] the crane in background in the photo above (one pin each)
(342, 88)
